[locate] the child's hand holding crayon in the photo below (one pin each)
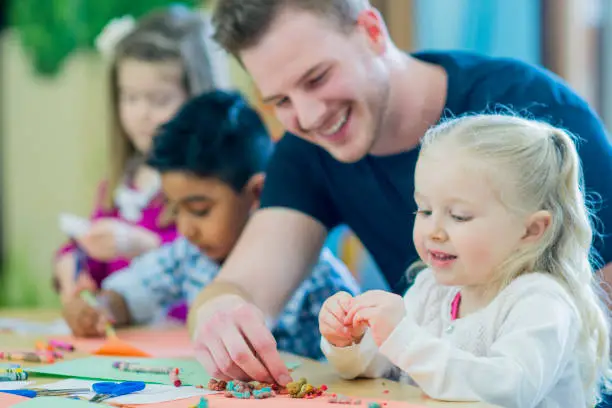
(85, 320)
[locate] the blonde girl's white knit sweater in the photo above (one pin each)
(518, 352)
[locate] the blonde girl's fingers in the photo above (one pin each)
(367, 299)
(363, 316)
(331, 325)
(334, 309)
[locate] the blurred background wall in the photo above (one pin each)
(53, 124)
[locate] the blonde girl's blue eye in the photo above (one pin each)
(460, 218)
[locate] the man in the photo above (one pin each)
(356, 107)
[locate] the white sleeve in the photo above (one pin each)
(151, 283)
(535, 341)
(364, 359)
(358, 360)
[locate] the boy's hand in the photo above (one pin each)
(332, 321)
(381, 311)
(84, 320)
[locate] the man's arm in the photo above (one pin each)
(230, 319)
(272, 257)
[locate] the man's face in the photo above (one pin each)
(328, 87)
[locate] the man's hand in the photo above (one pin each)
(232, 342)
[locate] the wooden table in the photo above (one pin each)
(309, 369)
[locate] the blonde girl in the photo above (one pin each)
(507, 310)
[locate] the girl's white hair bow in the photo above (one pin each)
(115, 31)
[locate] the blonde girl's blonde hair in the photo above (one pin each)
(543, 167)
(175, 34)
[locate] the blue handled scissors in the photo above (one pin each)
(106, 390)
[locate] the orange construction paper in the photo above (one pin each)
(283, 401)
(160, 343)
(114, 346)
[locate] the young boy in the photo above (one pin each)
(211, 157)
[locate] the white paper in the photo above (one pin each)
(152, 394)
(26, 327)
(14, 385)
(73, 225)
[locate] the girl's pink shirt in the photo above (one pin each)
(150, 218)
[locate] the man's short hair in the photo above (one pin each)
(241, 24)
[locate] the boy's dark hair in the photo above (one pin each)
(216, 134)
(241, 24)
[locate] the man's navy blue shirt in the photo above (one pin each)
(374, 196)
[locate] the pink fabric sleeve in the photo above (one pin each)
(169, 234)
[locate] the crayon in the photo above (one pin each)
(42, 346)
(137, 368)
(27, 357)
(62, 345)
(50, 355)
(175, 378)
(13, 374)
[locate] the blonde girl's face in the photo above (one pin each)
(462, 230)
(150, 93)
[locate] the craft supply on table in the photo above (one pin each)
(202, 403)
(41, 392)
(174, 377)
(107, 390)
(13, 374)
(61, 345)
(28, 356)
(140, 368)
(256, 390)
(55, 402)
(14, 385)
(101, 368)
(151, 394)
(26, 327)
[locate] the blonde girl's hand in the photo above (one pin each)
(332, 321)
(381, 311)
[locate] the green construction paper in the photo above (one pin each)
(55, 402)
(101, 368)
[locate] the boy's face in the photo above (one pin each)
(209, 213)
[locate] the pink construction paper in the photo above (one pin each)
(8, 400)
(159, 343)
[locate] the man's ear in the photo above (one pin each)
(375, 30)
(536, 225)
